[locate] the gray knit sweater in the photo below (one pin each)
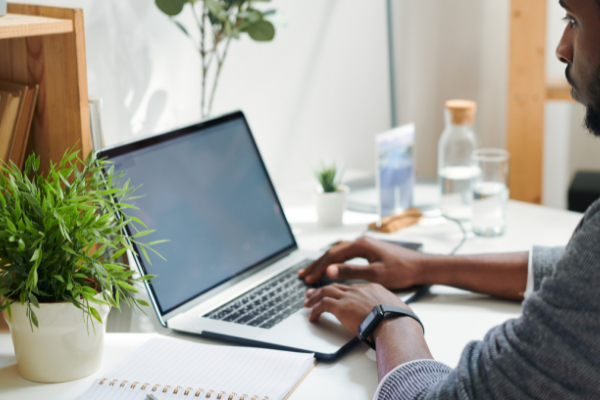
(551, 352)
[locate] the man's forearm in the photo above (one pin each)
(501, 275)
(398, 341)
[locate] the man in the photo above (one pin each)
(553, 350)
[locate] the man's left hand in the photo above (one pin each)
(350, 304)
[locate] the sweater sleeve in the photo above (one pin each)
(543, 260)
(551, 352)
(410, 380)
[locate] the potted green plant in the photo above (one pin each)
(218, 22)
(330, 195)
(60, 238)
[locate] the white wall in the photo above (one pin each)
(319, 90)
(451, 49)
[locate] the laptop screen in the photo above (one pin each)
(205, 189)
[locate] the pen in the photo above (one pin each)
(150, 397)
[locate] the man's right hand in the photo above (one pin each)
(392, 266)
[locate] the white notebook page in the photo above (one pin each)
(173, 362)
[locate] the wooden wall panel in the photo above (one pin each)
(558, 89)
(57, 63)
(526, 96)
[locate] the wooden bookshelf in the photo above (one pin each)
(17, 25)
(46, 45)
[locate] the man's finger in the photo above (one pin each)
(325, 305)
(319, 294)
(315, 265)
(339, 286)
(346, 271)
(337, 254)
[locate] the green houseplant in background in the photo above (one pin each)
(218, 22)
(60, 237)
(328, 177)
(330, 195)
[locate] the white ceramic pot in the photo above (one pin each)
(2, 7)
(61, 349)
(331, 206)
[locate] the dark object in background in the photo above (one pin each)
(409, 245)
(584, 190)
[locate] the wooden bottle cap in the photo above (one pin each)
(462, 112)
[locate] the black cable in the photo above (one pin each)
(464, 232)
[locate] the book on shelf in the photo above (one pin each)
(9, 110)
(16, 124)
(178, 369)
(96, 123)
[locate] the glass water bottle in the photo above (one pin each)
(455, 170)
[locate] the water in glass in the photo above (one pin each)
(456, 191)
(489, 208)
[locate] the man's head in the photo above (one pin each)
(579, 48)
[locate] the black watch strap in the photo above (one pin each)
(402, 311)
(380, 312)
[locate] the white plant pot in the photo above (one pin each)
(61, 349)
(331, 206)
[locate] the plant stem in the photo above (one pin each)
(201, 24)
(218, 73)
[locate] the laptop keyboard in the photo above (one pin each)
(268, 304)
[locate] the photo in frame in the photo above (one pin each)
(395, 174)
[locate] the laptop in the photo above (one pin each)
(232, 260)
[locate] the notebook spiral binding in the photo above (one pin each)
(188, 391)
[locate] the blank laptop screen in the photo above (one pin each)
(207, 191)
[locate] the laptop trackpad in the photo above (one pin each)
(324, 336)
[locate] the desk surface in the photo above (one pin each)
(452, 317)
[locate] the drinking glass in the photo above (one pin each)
(490, 191)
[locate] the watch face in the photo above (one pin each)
(362, 330)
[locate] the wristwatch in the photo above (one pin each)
(377, 314)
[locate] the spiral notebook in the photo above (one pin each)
(178, 369)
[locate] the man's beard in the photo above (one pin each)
(592, 114)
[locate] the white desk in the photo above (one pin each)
(452, 318)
